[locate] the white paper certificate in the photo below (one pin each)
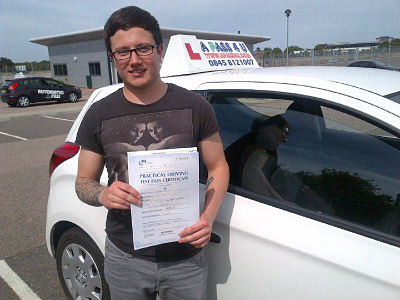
(168, 181)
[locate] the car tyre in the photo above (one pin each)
(72, 97)
(80, 267)
(23, 101)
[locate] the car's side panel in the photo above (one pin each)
(287, 256)
(64, 205)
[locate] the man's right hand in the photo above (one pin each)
(119, 195)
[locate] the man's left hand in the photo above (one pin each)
(199, 234)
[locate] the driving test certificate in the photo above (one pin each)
(168, 181)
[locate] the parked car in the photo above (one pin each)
(313, 206)
(26, 90)
(373, 64)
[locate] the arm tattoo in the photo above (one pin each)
(209, 182)
(88, 191)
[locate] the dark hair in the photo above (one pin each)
(127, 18)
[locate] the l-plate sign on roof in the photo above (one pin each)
(187, 55)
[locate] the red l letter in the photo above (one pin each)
(192, 55)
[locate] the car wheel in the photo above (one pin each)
(72, 97)
(80, 266)
(23, 101)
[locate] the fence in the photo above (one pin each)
(4, 76)
(331, 57)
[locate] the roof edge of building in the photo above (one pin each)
(97, 33)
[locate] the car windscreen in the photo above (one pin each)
(380, 64)
(394, 97)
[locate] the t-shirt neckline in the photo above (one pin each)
(169, 89)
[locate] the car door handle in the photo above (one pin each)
(215, 238)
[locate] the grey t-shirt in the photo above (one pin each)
(114, 126)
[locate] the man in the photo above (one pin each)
(173, 270)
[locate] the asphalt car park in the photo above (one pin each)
(312, 210)
(24, 178)
(27, 137)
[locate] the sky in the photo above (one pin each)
(312, 22)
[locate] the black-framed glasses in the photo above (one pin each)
(127, 53)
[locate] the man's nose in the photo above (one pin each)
(135, 58)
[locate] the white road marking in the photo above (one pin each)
(14, 136)
(16, 283)
(48, 117)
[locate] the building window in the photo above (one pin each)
(94, 68)
(60, 70)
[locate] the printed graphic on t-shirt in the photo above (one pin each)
(152, 131)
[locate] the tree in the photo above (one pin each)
(267, 51)
(6, 64)
(276, 50)
(294, 48)
(351, 196)
(393, 43)
(320, 47)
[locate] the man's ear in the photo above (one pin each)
(110, 56)
(160, 48)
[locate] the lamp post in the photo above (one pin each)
(287, 13)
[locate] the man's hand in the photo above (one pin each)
(199, 234)
(119, 195)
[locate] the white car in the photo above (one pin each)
(313, 206)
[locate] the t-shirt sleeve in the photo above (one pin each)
(88, 135)
(208, 120)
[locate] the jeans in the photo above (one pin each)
(133, 278)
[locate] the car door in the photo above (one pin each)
(54, 90)
(325, 224)
(35, 89)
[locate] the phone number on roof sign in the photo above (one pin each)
(230, 62)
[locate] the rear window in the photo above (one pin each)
(6, 84)
(394, 97)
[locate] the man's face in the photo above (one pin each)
(138, 72)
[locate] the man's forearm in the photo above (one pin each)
(88, 191)
(216, 187)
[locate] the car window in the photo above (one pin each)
(314, 157)
(51, 83)
(6, 84)
(394, 97)
(31, 82)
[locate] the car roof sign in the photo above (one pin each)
(187, 55)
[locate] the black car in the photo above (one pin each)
(23, 91)
(372, 64)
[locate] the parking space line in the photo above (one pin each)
(14, 136)
(48, 117)
(16, 283)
